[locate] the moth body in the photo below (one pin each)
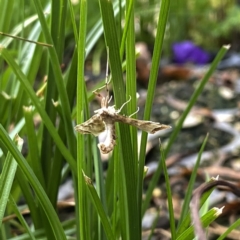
(109, 142)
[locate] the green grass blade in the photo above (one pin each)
(95, 33)
(6, 17)
(206, 220)
(20, 217)
(231, 228)
(126, 32)
(151, 187)
(129, 163)
(180, 122)
(112, 43)
(33, 205)
(121, 191)
(195, 95)
(58, 78)
(162, 21)
(73, 20)
(83, 204)
(7, 177)
(131, 88)
(51, 128)
(32, 146)
(18, 127)
(99, 208)
(169, 196)
(188, 195)
(99, 178)
(38, 234)
(154, 225)
(46, 204)
(186, 222)
(5, 111)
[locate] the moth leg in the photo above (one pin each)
(134, 112)
(120, 109)
(110, 99)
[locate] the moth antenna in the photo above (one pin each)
(119, 110)
(110, 99)
(134, 112)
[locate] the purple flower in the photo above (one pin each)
(188, 52)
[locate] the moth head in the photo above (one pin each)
(105, 101)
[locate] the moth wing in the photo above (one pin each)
(95, 125)
(147, 126)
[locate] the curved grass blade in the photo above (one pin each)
(169, 195)
(129, 173)
(195, 95)
(162, 21)
(185, 113)
(39, 191)
(51, 128)
(206, 219)
(20, 217)
(99, 208)
(188, 195)
(7, 177)
(58, 78)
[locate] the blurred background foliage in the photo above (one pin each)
(209, 24)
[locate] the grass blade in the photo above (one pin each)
(169, 196)
(58, 78)
(188, 195)
(20, 217)
(99, 208)
(7, 177)
(195, 95)
(51, 128)
(162, 21)
(128, 172)
(83, 205)
(208, 218)
(46, 204)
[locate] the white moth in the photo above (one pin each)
(104, 120)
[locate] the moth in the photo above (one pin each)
(104, 120)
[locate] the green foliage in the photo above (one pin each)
(193, 20)
(44, 112)
(229, 24)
